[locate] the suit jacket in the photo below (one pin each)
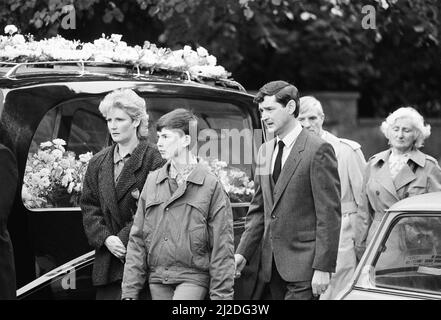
(8, 178)
(380, 191)
(108, 209)
(299, 220)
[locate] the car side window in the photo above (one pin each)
(45, 130)
(88, 132)
(410, 256)
(65, 140)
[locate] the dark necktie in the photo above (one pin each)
(278, 163)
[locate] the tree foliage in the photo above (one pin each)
(406, 59)
(318, 45)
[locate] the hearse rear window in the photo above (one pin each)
(71, 133)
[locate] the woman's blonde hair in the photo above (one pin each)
(422, 129)
(128, 101)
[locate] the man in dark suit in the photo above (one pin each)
(295, 212)
(8, 178)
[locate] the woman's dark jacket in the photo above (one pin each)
(108, 209)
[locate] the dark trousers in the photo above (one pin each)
(111, 291)
(279, 289)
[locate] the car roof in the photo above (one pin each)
(10, 77)
(423, 202)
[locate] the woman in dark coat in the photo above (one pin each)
(111, 187)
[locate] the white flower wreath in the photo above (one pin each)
(18, 48)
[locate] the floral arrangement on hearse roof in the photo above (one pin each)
(15, 47)
(54, 177)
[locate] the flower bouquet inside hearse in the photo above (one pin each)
(54, 177)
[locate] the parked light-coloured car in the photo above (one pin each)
(403, 260)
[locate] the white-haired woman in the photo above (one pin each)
(401, 171)
(111, 187)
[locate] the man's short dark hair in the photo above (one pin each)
(178, 119)
(283, 92)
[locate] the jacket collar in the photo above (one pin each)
(291, 137)
(415, 155)
(197, 176)
(117, 157)
(405, 176)
(127, 177)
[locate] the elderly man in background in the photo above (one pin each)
(351, 166)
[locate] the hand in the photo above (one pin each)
(320, 282)
(239, 264)
(116, 247)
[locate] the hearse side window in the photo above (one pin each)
(66, 138)
(71, 133)
(410, 257)
(88, 132)
(45, 130)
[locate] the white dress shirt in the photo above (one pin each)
(289, 141)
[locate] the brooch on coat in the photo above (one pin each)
(135, 194)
